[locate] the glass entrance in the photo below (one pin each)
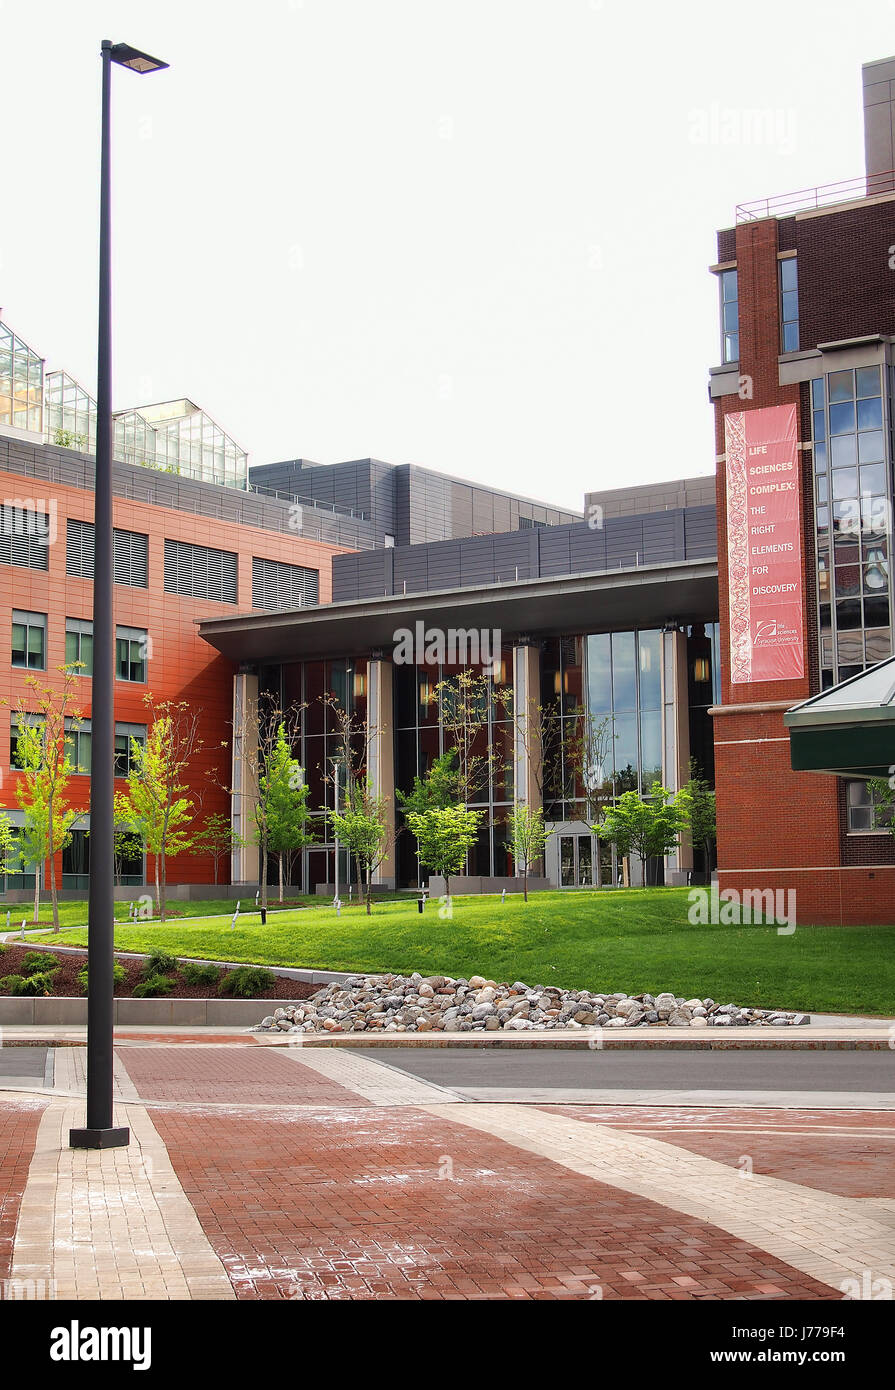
(581, 858)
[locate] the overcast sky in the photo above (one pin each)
(470, 234)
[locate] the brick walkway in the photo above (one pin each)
(315, 1173)
(18, 1133)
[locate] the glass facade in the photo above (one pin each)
(853, 508)
(70, 414)
(730, 316)
(789, 305)
(21, 383)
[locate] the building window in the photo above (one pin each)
(730, 317)
(79, 644)
(196, 571)
(131, 554)
(789, 304)
(131, 647)
(21, 383)
(278, 586)
(24, 537)
(78, 738)
(29, 640)
(34, 720)
(125, 735)
(862, 806)
(852, 495)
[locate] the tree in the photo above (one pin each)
(256, 735)
(882, 794)
(437, 789)
(363, 828)
(648, 826)
(217, 839)
(697, 800)
(445, 836)
(127, 843)
(464, 700)
(44, 764)
(284, 794)
(354, 737)
(529, 836)
(158, 810)
(10, 854)
(587, 757)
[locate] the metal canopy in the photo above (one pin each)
(679, 592)
(848, 731)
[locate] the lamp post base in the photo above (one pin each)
(99, 1138)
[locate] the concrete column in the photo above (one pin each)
(676, 733)
(527, 766)
(243, 779)
(381, 754)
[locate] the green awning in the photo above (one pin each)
(848, 731)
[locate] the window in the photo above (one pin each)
(730, 317)
(196, 571)
(124, 734)
(29, 640)
(528, 523)
(862, 804)
(131, 649)
(78, 738)
(130, 559)
(389, 541)
(79, 644)
(789, 304)
(24, 537)
(277, 586)
(34, 720)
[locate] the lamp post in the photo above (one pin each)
(100, 1132)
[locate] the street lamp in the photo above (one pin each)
(100, 1132)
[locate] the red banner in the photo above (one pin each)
(764, 545)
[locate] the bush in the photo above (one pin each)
(38, 962)
(119, 975)
(153, 987)
(8, 983)
(158, 963)
(247, 980)
(195, 974)
(40, 983)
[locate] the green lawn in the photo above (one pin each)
(630, 940)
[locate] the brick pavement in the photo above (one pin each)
(19, 1122)
(290, 1173)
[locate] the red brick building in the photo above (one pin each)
(807, 293)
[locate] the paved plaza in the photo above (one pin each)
(262, 1172)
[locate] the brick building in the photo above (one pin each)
(807, 300)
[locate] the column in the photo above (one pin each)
(676, 736)
(381, 754)
(243, 778)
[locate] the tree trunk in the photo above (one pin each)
(525, 882)
(163, 884)
(280, 858)
(215, 871)
(36, 891)
(53, 895)
(158, 898)
(264, 872)
(369, 888)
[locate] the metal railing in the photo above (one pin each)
(825, 194)
(263, 491)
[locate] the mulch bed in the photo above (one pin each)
(67, 986)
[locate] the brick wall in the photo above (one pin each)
(181, 666)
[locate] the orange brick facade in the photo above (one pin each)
(777, 828)
(181, 666)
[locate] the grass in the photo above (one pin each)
(74, 914)
(630, 940)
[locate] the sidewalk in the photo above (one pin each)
(278, 1172)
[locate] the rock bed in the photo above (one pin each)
(437, 1003)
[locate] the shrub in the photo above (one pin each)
(8, 983)
(195, 974)
(119, 975)
(158, 963)
(152, 987)
(38, 962)
(40, 983)
(247, 980)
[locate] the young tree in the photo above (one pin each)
(697, 800)
(256, 734)
(363, 829)
(529, 835)
(464, 700)
(437, 789)
(882, 793)
(217, 839)
(648, 826)
(354, 738)
(445, 836)
(45, 765)
(284, 794)
(159, 812)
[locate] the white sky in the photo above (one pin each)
(471, 234)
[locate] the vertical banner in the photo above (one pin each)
(764, 545)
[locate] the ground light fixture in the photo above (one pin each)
(100, 1132)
